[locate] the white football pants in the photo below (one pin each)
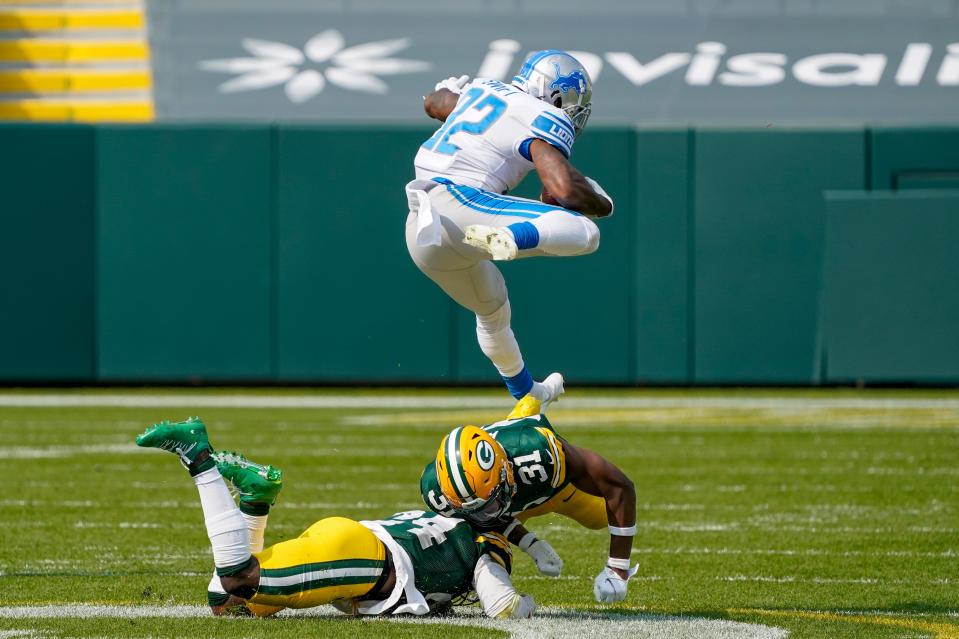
(466, 273)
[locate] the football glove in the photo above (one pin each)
(455, 85)
(523, 608)
(609, 587)
(547, 561)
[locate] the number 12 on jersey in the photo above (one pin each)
(476, 102)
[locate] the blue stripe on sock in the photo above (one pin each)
(525, 234)
(519, 384)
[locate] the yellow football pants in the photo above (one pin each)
(588, 510)
(336, 558)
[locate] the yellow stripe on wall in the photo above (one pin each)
(65, 111)
(67, 81)
(53, 20)
(72, 51)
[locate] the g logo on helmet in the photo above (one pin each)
(485, 455)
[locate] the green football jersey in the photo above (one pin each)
(539, 466)
(444, 551)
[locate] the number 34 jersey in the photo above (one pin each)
(485, 141)
(539, 465)
(444, 551)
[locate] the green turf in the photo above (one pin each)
(760, 513)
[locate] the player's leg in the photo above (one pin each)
(587, 510)
(558, 233)
(225, 525)
(476, 284)
(336, 558)
(507, 227)
(258, 487)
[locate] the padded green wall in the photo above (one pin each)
(46, 253)
(203, 253)
(351, 305)
(892, 297)
(901, 156)
(661, 256)
(184, 237)
(757, 248)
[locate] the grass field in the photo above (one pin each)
(812, 513)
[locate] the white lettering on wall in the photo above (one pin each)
(705, 63)
(913, 64)
(866, 69)
(948, 75)
(754, 70)
(498, 63)
(639, 73)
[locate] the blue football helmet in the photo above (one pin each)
(557, 78)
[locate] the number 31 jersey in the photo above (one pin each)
(485, 141)
(539, 465)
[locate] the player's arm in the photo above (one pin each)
(441, 102)
(570, 188)
(493, 585)
(596, 475)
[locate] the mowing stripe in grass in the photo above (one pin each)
(549, 622)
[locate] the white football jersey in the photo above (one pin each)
(484, 142)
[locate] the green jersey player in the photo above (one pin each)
(499, 476)
(411, 563)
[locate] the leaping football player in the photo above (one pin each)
(412, 563)
(499, 476)
(493, 135)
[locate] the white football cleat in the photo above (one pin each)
(498, 242)
(554, 385)
(530, 405)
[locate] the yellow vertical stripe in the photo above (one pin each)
(559, 456)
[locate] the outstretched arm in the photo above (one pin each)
(496, 592)
(568, 186)
(595, 475)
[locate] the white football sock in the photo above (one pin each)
(497, 341)
(225, 525)
(256, 527)
(215, 585)
(539, 391)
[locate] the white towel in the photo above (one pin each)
(429, 232)
(405, 580)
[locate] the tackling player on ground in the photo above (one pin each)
(412, 563)
(503, 474)
(493, 135)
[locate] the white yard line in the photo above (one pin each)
(32, 452)
(549, 622)
(417, 401)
